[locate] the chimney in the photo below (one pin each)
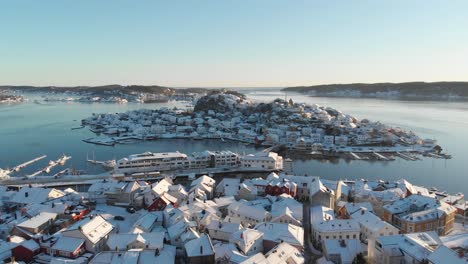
(362, 211)
(156, 252)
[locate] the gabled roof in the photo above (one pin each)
(120, 241)
(38, 220)
(147, 221)
(371, 221)
(35, 195)
(346, 249)
(93, 229)
(285, 253)
(68, 244)
(245, 237)
(444, 255)
(162, 186)
(279, 232)
(30, 244)
(338, 225)
(201, 246)
(224, 226)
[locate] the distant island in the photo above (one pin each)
(407, 91)
(113, 88)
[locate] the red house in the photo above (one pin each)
(26, 251)
(161, 202)
(278, 187)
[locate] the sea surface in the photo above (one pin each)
(36, 128)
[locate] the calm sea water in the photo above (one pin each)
(29, 130)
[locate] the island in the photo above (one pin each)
(312, 130)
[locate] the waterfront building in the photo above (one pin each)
(262, 160)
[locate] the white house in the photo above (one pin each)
(335, 229)
(372, 227)
(262, 160)
(95, 231)
(248, 215)
(249, 241)
(276, 233)
(222, 230)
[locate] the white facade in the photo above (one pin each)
(262, 160)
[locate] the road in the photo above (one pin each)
(310, 253)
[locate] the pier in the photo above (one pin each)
(27, 163)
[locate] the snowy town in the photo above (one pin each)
(315, 130)
(277, 218)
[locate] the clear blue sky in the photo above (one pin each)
(232, 43)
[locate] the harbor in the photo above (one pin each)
(425, 170)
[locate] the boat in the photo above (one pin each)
(4, 174)
(63, 159)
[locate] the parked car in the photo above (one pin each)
(119, 218)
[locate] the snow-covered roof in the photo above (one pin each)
(224, 226)
(319, 214)
(151, 240)
(258, 258)
(255, 212)
(444, 255)
(371, 221)
(38, 220)
(285, 253)
(347, 250)
(245, 237)
(147, 221)
(351, 208)
(456, 241)
(34, 195)
(279, 208)
(416, 245)
(279, 232)
(93, 229)
(338, 225)
(68, 244)
(110, 257)
(201, 246)
(30, 244)
(227, 252)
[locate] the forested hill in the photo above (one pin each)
(409, 90)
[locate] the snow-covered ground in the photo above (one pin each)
(109, 212)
